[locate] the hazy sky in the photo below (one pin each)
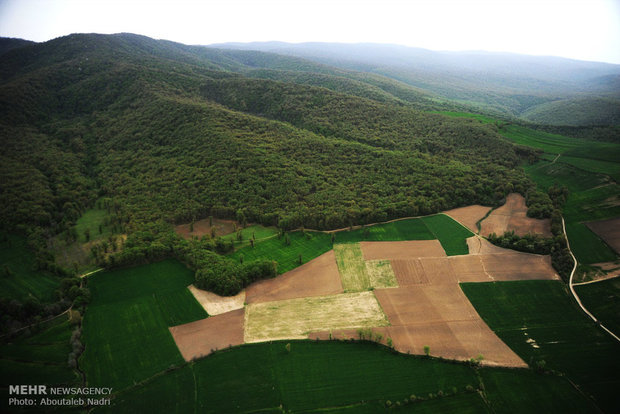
(580, 29)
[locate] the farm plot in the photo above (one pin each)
(450, 234)
(295, 318)
(512, 217)
(288, 249)
(126, 324)
(469, 216)
(352, 268)
(319, 277)
(200, 338)
(359, 275)
(608, 230)
(603, 300)
(539, 321)
(38, 359)
(215, 304)
(441, 317)
(402, 249)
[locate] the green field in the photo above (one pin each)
(602, 299)
(309, 245)
(409, 229)
(509, 391)
(23, 281)
(539, 321)
(450, 234)
(343, 377)
(312, 244)
(38, 358)
(126, 324)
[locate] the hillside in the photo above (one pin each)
(136, 120)
(508, 85)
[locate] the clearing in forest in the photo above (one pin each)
(295, 318)
(512, 216)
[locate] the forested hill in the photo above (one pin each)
(550, 90)
(168, 132)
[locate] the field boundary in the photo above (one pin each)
(574, 293)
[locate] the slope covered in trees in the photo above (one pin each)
(167, 133)
(542, 89)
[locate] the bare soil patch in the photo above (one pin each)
(519, 266)
(199, 338)
(469, 216)
(608, 230)
(441, 317)
(469, 269)
(202, 228)
(318, 277)
(409, 272)
(394, 250)
(478, 245)
(296, 318)
(512, 216)
(215, 304)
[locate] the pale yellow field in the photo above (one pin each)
(381, 274)
(352, 268)
(295, 318)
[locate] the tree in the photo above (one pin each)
(87, 234)
(288, 347)
(427, 350)
(390, 344)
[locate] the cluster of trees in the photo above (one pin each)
(213, 271)
(15, 314)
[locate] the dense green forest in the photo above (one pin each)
(110, 140)
(541, 89)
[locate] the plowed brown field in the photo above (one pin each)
(608, 230)
(199, 338)
(512, 217)
(318, 277)
(469, 216)
(394, 250)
